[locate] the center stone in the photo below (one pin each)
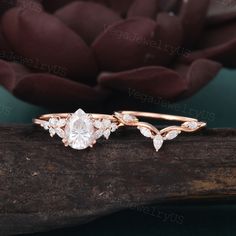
(79, 130)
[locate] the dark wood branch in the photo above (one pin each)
(44, 185)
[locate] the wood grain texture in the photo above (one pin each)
(45, 186)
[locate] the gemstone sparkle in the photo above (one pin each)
(79, 130)
(145, 132)
(190, 124)
(172, 134)
(157, 142)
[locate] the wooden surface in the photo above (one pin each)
(45, 186)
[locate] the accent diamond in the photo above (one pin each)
(98, 134)
(190, 124)
(145, 132)
(52, 132)
(129, 118)
(106, 124)
(157, 142)
(53, 122)
(172, 134)
(114, 127)
(98, 124)
(104, 128)
(45, 125)
(60, 132)
(107, 133)
(61, 123)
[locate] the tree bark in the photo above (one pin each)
(44, 186)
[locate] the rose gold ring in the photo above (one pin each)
(80, 130)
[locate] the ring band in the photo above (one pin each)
(80, 130)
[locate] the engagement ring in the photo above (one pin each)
(81, 130)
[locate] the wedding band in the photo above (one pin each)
(81, 130)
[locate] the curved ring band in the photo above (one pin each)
(80, 130)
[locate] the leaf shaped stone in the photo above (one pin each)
(172, 134)
(145, 132)
(157, 142)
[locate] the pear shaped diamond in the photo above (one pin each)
(79, 130)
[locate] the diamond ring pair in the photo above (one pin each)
(81, 130)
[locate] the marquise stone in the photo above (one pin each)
(172, 134)
(114, 127)
(190, 124)
(52, 132)
(145, 132)
(157, 142)
(61, 123)
(60, 132)
(107, 133)
(106, 124)
(53, 122)
(45, 125)
(129, 118)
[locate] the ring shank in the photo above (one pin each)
(159, 116)
(46, 117)
(152, 115)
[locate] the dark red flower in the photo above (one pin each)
(83, 52)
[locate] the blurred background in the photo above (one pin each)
(214, 104)
(170, 56)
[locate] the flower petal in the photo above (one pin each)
(153, 80)
(198, 74)
(163, 82)
(53, 5)
(218, 35)
(10, 74)
(223, 53)
(53, 91)
(43, 37)
(7, 77)
(221, 11)
(32, 5)
(147, 8)
(84, 19)
(218, 43)
(6, 5)
(169, 5)
(4, 46)
(193, 14)
(169, 36)
(120, 6)
(126, 45)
